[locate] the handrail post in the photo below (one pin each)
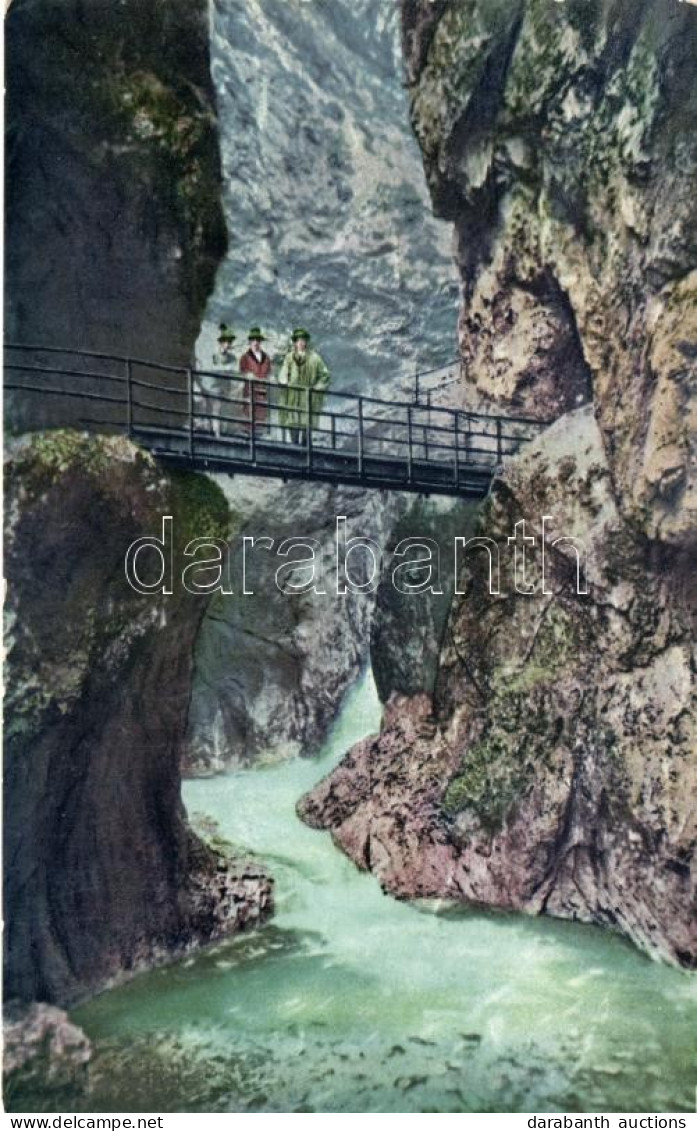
(129, 398)
(252, 424)
(333, 428)
(456, 466)
(499, 441)
(416, 387)
(308, 433)
(190, 392)
(360, 437)
(410, 449)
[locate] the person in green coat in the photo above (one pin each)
(302, 369)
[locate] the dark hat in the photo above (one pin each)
(255, 332)
(225, 334)
(300, 333)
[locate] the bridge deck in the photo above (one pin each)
(201, 419)
(283, 460)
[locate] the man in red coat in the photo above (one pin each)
(257, 363)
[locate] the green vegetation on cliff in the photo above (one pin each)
(199, 506)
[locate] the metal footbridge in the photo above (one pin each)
(201, 419)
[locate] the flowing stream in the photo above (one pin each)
(351, 1001)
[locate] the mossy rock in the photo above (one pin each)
(491, 780)
(498, 770)
(46, 456)
(199, 507)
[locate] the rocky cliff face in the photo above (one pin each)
(552, 768)
(103, 874)
(114, 222)
(559, 139)
(272, 667)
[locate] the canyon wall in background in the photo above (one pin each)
(271, 668)
(331, 227)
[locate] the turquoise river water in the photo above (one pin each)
(351, 1001)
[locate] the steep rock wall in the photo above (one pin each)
(553, 770)
(553, 767)
(559, 139)
(114, 222)
(102, 873)
(329, 216)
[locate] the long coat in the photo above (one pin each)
(261, 370)
(216, 395)
(298, 373)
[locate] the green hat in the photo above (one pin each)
(300, 333)
(255, 332)
(225, 334)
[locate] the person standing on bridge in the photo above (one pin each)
(303, 380)
(217, 410)
(256, 363)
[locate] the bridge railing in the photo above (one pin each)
(191, 414)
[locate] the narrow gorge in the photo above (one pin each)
(290, 852)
